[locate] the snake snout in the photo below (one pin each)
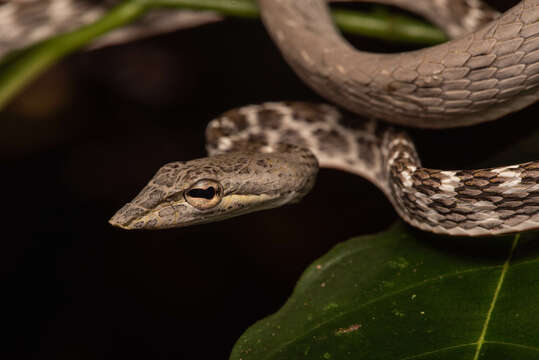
(144, 211)
(127, 216)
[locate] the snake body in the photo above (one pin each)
(478, 77)
(265, 156)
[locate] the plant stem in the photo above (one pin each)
(239, 8)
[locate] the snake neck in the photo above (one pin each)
(366, 148)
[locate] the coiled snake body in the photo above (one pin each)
(264, 156)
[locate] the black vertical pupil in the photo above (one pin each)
(207, 193)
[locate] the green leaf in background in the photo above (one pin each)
(404, 294)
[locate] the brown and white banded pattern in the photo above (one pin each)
(463, 202)
(264, 156)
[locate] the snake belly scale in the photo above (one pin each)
(264, 156)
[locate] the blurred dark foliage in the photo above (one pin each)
(86, 137)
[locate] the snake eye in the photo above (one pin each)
(205, 194)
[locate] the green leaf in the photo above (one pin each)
(404, 294)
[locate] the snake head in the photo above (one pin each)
(216, 188)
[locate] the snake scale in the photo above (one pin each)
(264, 156)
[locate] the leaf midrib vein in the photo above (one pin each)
(505, 267)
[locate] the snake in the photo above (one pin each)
(268, 155)
(264, 156)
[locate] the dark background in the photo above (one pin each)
(87, 136)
